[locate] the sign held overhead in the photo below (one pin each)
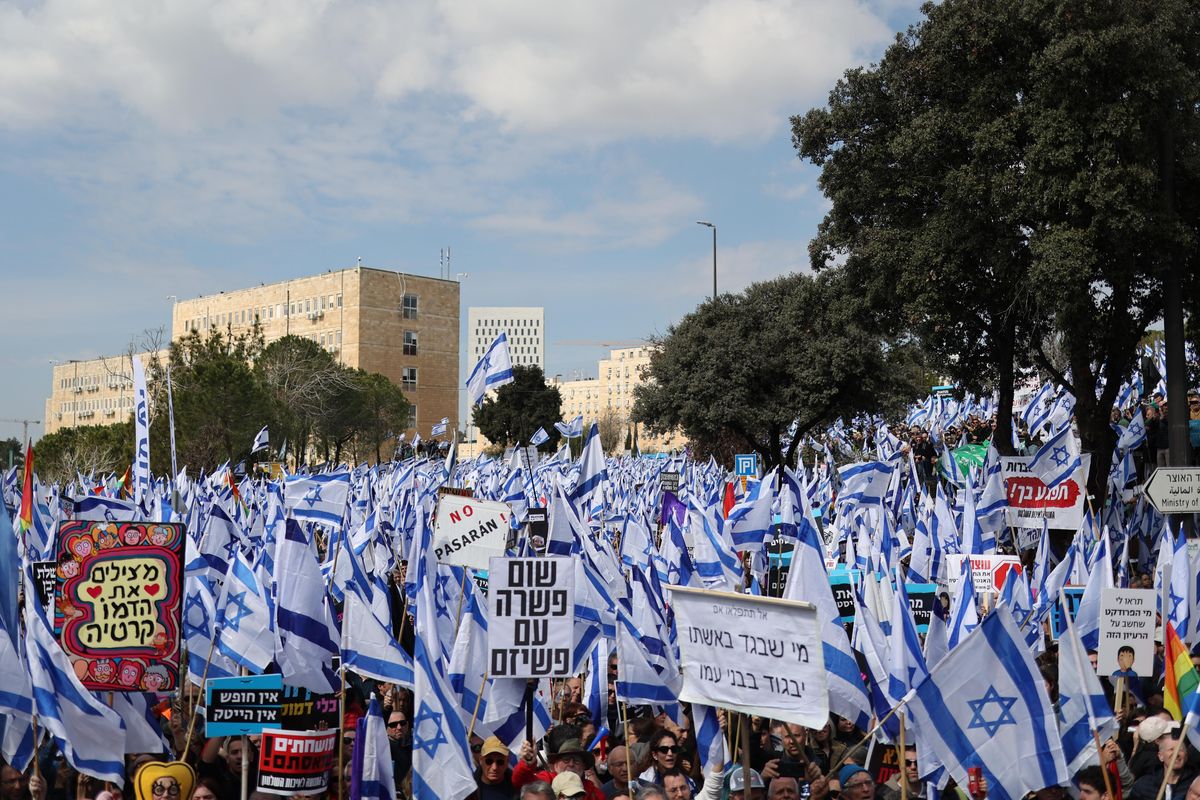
(469, 532)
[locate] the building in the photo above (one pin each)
(525, 327)
(97, 391)
(403, 326)
(611, 392)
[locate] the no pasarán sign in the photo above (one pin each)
(469, 532)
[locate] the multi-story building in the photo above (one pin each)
(96, 391)
(403, 326)
(611, 393)
(526, 329)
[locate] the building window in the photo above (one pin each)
(339, 301)
(412, 416)
(410, 306)
(408, 378)
(410, 343)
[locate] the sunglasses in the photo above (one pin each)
(397, 723)
(170, 791)
(495, 760)
(669, 748)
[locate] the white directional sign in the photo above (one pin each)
(1175, 490)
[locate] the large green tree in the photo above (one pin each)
(796, 349)
(1016, 171)
(84, 450)
(309, 391)
(519, 408)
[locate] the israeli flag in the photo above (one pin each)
(247, 626)
(442, 766)
(572, 429)
(372, 776)
(1057, 459)
(368, 648)
(440, 428)
(985, 706)
(540, 437)
(491, 372)
(141, 424)
(307, 637)
(1133, 435)
(90, 735)
(261, 441)
(592, 468)
(318, 498)
(1082, 705)
(864, 483)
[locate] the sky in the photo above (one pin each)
(563, 151)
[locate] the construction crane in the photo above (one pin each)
(25, 423)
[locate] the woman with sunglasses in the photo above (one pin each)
(665, 753)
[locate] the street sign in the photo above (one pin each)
(746, 465)
(1175, 490)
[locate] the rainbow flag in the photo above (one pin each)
(1181, 680)
(25, 516)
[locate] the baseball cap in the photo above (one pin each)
(493, 745)
(567, 784)
(735, 780)
(1151, 729)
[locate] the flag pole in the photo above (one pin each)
(745, 726)
(1162, 787)
(900, 758)
(478, 700)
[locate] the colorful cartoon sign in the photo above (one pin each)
(117, 603)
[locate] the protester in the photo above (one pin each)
(494, 776)
(618, 770)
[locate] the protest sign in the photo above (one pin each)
(1127, 622)
(920, 603)
(1029, 501)
(296, 762)
(118, 603)
(883, 761)
(531, 627)
(779, 564)
(1074, 596)
(669, 481)
(757, 655)
(988, 572)
(45, 576)
(239, 705)
(843, 595)
(302, 710)
(468, 532)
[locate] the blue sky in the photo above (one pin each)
(562, 150)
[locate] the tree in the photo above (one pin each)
(740, 370)
(519, 408)
(84, 450)
(304, 383)
(611, 424)
(372, 412)
(1014, 171)
(12, 453)
(219, 403)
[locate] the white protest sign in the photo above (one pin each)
(1127, 622)
(1029, 501)
(756, 655)
(468, 532)
(531, 624)
(988, 572)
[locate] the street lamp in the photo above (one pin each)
(714, 230)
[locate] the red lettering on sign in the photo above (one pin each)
(1030, 492)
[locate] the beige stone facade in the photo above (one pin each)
(612, 390)
(98, 391)
(403, 326)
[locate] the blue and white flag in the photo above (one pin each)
(372, 776)
(247, 626)
(1082, 705)
(440, 428)
(864, 483)
(143, 734)
(539, 437)
(261, 440)
(491, 372)
(1057, 459)
(306, 633)
(592, 468)
(90, 735)
(318, 498)
(368, 648)
(141, 429)
(442, 766)
(572, 429)
(985, 705)
(964, 613)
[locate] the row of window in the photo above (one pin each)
(504, 323)
(96, 405)
(88, 381)
(246, 316)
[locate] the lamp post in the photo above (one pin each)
(714, 231)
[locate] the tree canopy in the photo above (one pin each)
(791, 350)
(519, 408)
(1014, 171)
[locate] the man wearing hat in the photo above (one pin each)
(856, 783)
(737, 788)
(568, 786)
(568, 756)
(493, 777)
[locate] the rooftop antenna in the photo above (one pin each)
(444, 261)
(360, 262)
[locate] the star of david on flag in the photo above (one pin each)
(318, 498)
(985, 705)
(1057, 459)
(491, 372)
(427, 731)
